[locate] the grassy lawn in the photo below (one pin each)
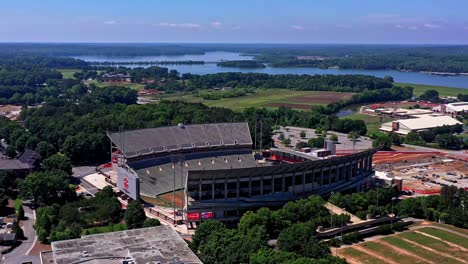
(135, 86)
(360, 256)
(433, 243)
(398, 242)
(68, 73)
(443, 91)
(451, 227)
(389, 254)
(262, 98)
(447, 236)
(372, 122)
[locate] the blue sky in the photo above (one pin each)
(235, 21)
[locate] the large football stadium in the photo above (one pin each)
(215, 169)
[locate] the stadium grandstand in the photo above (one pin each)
(219, 175)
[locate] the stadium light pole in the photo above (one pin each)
(391, 219)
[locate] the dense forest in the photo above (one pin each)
(437, 58)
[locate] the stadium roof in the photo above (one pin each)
(173, 138)
(159, 244)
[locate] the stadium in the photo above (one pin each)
(214, 171)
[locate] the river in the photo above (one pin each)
(207, 68)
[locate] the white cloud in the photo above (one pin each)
(110, 22)
(431, 26)
(413, 28)
(297, 27)
(180, 25)
(216, 24)
(399, 26)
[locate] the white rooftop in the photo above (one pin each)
(428, 122)
(458, 107)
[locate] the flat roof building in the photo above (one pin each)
(160, 244)
(452, 108)
(405, 126)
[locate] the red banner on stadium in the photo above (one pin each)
(207, 215)
(193, 216)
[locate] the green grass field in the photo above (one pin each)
(135, 86)
(400, 243)
(262, 98)
(443, 91)
(455, 239)
(389, 254)
(360, 256)
(68, 73)
(412, 251)
(372, 122)
(435, 244)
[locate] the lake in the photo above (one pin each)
(398, 76)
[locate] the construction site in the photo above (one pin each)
(423, 172)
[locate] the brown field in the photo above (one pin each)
(293, 106)
(322, 98)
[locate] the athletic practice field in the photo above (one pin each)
(424, 243)
(271, 98)
(443, 91)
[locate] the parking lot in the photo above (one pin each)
(343, 143)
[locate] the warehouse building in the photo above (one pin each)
(452, 108)
(405, 126)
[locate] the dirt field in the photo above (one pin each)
(294, 106)
(423, 173)
(395, 157)
(425, 243)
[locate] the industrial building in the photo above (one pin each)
(160, 244)
(405, 126)
(220, 177)
(452, 108)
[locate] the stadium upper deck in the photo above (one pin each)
(141, 142)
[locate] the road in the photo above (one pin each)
(20, 253)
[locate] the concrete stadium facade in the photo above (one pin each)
(223, 181)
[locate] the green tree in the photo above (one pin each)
(270, 256)
(334, 137)
(46, 188)
(287, 141)
(10, 151)
(20, 213)
(430, 95)
(135, 215)
(203, 232)
(57, 162)
(448, 141)
(302, 134)
(382, 140)
(150, 222)
(317, 142)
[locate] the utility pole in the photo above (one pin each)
(261, 134)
